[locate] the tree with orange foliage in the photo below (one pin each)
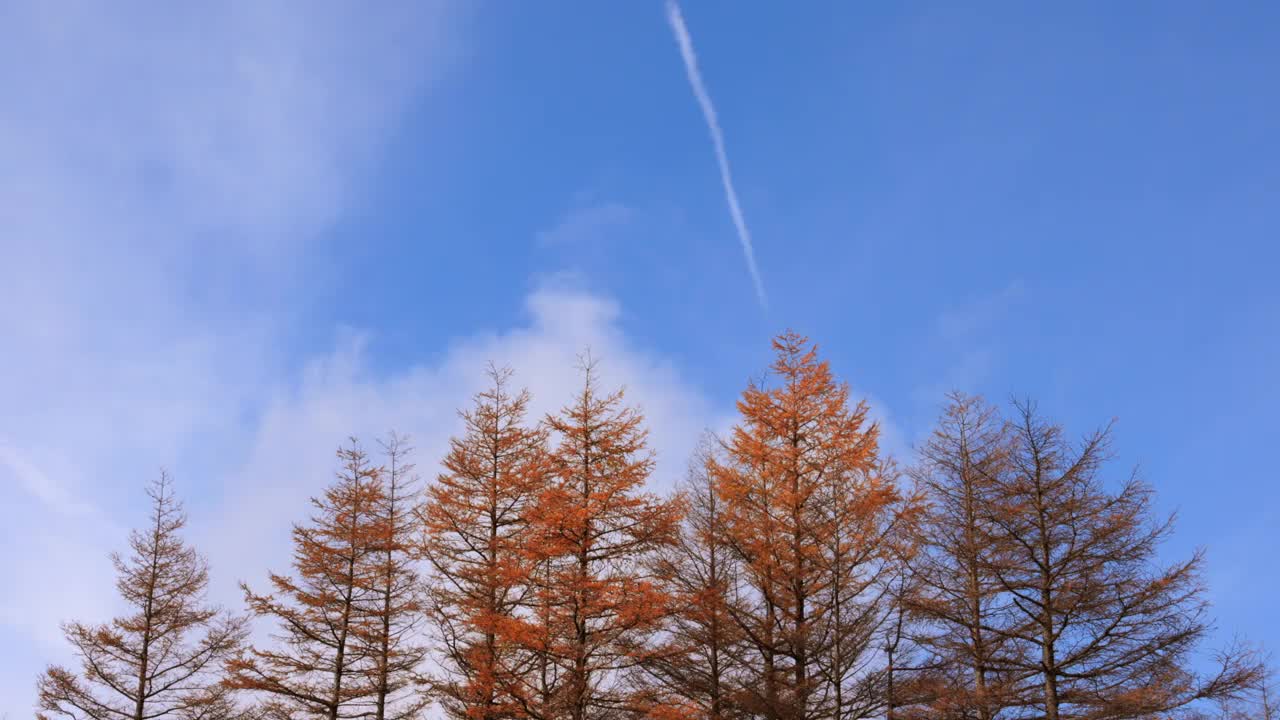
(396, 603)
(804, 512)
(476, 528)
(321, 664)
(695, 670)
(163, 658)
(594, 535)
(1108, 632)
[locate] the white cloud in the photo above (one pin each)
(964, 321)
(165, 167)
(155, 158)
(968, 337)
(586, 224)
(292, 454)
(245, 118)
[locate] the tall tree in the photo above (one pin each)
(907, 677)
(868, 533)
(957, 597)
(695, 672)
(164, 657)
(477, 527)
(1110, 633)
(396, 603)
(595, 533)
(795, 439)
(320, 665)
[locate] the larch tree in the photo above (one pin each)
(957, 598)
(1109, 632)
(695, 672)
(1262, 702)
(868, 533)
(908, 673)
(1259, 703)
(799, 550)
(594, 535)
(320, 664)
(397, 604)
(164, 658)
(476, 523)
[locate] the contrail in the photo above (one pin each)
(717, 138)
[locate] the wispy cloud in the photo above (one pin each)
(152, 257)
(586, 224)
(968, 338)
(676, 19)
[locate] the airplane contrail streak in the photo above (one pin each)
(676, 19)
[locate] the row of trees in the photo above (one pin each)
(798, 574)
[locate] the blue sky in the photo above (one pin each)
(235, 234)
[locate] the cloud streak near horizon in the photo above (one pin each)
(676, 20)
